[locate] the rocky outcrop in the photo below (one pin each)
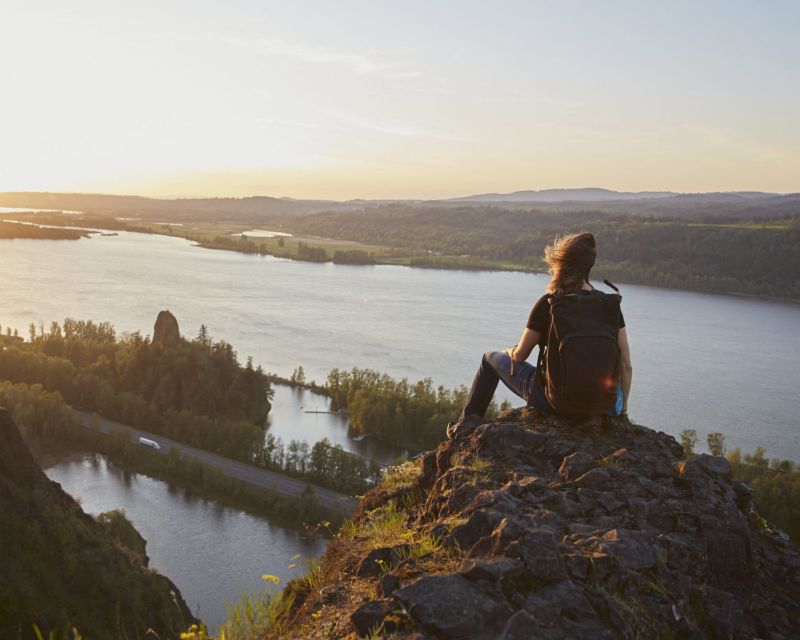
(544, 527)
(60, 568)
(166, 331)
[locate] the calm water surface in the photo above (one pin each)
(298, 414)
(210, 552)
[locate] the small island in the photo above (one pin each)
(21, 230)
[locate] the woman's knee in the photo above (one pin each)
(494, 358)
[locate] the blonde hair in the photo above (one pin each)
(570, 259)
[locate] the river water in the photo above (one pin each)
(212, 553)
(708, 362)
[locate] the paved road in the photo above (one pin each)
(247, 473)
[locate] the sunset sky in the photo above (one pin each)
(379, 99)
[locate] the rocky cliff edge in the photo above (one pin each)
(542, 527)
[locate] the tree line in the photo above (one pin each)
(11, 230)
(397, 412)
(191, 391)
(321, 463)
(755, 255)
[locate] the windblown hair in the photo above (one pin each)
(570, 258)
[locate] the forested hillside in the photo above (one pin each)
(758, 257)
(194, 391)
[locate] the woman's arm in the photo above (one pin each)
(523, 348)
(626, 368)
(521, 351)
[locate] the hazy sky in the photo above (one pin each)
(344, 99)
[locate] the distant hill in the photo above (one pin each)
(565, 195)
(254, 209)
(211, 209)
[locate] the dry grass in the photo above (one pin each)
(402, 476)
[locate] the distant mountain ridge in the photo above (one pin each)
(258, 206)
(586, 194)
(198, 208)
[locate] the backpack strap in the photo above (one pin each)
(611, 284)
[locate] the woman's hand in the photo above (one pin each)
(520, 351)
(510, 352)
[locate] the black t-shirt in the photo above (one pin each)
(539, 318)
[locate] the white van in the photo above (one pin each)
(147, 442)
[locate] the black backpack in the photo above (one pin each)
(579, 364)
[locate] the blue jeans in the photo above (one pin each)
(496, 366)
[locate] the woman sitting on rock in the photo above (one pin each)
(584, 366)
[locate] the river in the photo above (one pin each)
(212, 553)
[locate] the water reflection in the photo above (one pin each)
(211, 552)
(300, 414)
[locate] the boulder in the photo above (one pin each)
(369, 616)
(451, 606)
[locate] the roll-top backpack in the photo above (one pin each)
(579, 364)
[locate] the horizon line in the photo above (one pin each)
(666, 193)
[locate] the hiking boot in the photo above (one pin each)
(464, 426)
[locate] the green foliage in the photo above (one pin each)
(194, 392)
(44, 420)
(413, 415)
(68, 634)
(324, 464)
(353, 256)
(400, 476)
(776, 488)
(257, 615)
(716, 443)
(688, 439)
(677, 249)
(121, 529)
(312, 254)
(298, 376)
